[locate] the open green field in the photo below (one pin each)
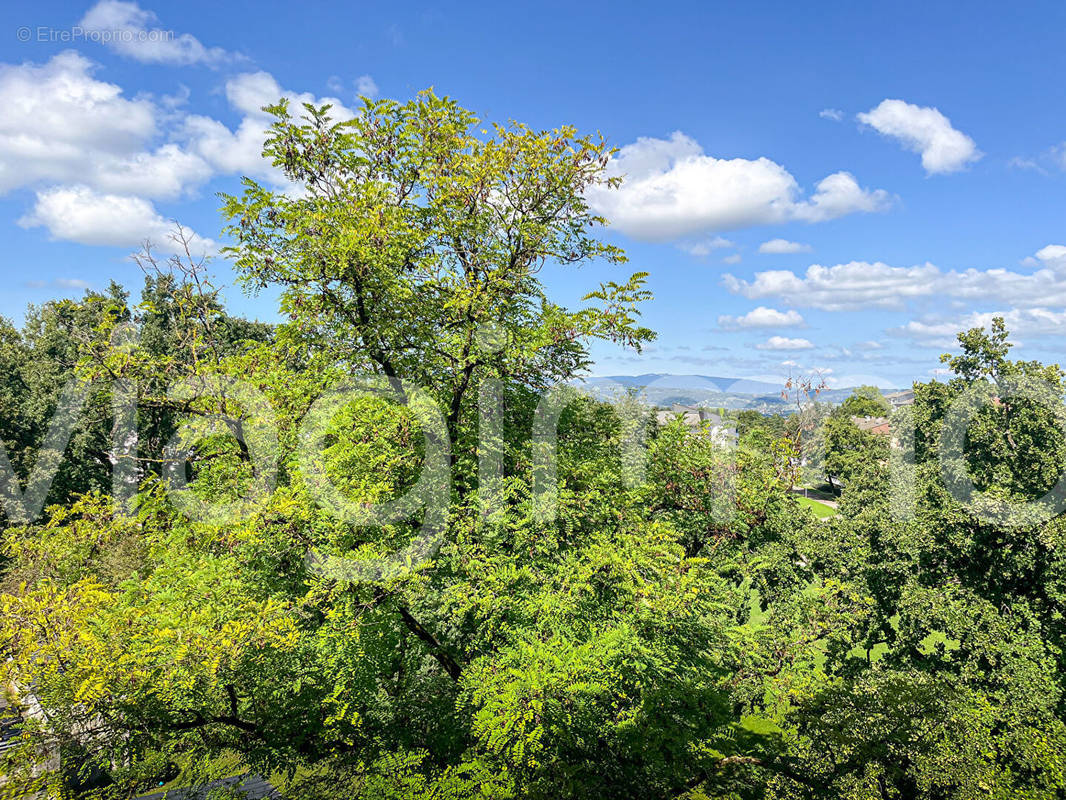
(821, 510)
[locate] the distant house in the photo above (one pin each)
(251, 787)
(900, 399)
(721, 431)
(881, 426)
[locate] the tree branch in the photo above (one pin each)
(450, 665)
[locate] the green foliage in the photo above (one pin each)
(681, 626)
(848, 449)
(866, 401)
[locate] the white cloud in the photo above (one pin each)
(250, 91)
(733, 259)
(1019, 162)
(784, 343)
(239, 151)
(130, 30)
(837, 195)
(761, 317)
(366, 87)
(941, 333)
(236, 152)
(1052, 158)
(59, 121)
(672, 189)
(835, 114)
(61, 125)
(166, 173)
(71, 283)
(842, 287)
(89, 151)
(706, 247)
(861, 285)
(781, 246)
(1054, 255)
(926, 131)
(78, 214)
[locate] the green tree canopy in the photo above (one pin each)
(676, 627)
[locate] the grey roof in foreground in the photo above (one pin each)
(253, 787)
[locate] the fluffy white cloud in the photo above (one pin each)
(784, 343)
(926, 131)
(250, 91)
(79, 214)
(62, 125)
(835, 114)
(842, 287)
(941, 333)
(164, 173)
(239, 151)
(837, 195)
(130, 30)
(782, 246)
(1053, 255)
(673, 189)
(761, 317)
(94, 156)
(231, 152)
(860, 284)
(59, 121)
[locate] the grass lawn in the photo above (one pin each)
(821, 510)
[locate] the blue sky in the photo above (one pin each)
(835, 187)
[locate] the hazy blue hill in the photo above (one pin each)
(740, 385)
(663, 389)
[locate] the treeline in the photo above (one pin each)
(57, 349)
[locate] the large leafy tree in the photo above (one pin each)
(414, 245)
(538, 656)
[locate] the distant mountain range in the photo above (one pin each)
(704, 390)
